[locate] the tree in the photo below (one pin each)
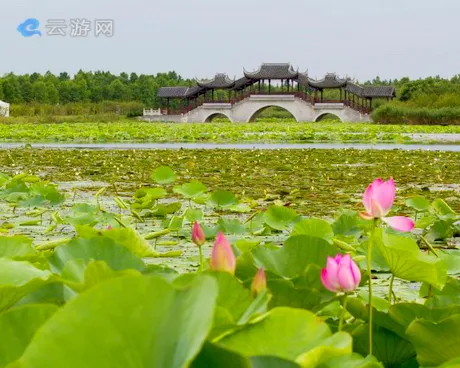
(26, 88)
(64, 76)
(52, 93)
(12, 90)
(124, 77)
(119, 91)
(133, 78)
(39, 93)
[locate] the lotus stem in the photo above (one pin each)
(390, 289)
(344, 311)
(428, 244)
(201, 258)
(369, 270)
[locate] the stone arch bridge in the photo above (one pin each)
(247, 110)
(273, 84)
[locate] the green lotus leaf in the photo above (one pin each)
(295, 256)
(418, 203)
(116, 256)
(18, 327)
(217, 357)
(126, 237)
(280, 218)
(18, 247)
(141, 322)
(164, 175)
(407, 262)
(191, 190)
(314, 227)
(291, 334)
(388, 347)
(17, 279)
(435, 343)
(223, 199)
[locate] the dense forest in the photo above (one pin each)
(85, 87)
(86, 92)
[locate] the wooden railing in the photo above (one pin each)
(241, 96)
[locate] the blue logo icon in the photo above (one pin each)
(29, 28)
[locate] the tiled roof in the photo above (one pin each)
(273, 71)
(354, 88)
(193, 91)
(172, 92)
(221, 80)
(178, 92)
(302, 79)
(242, 82)
(329, 81)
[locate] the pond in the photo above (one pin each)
(241, 146)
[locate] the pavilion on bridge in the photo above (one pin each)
(288, 81)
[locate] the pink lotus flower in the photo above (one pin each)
(222, 257)
(341, 274)
(198, 236)
(378, 200)
(259, 283)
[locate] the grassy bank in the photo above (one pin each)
(404, 114)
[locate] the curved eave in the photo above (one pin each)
(323, 83)
(259, 77)
(212, 85)
(242, 83)
(220, 81)
(259, 74)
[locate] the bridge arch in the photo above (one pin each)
(213, 115)
(252, 116)
(320, 116)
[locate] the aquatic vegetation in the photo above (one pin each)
(284, 130)
(314, 182)
(276, 288)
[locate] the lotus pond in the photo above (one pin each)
(282, 131)
(98, 267)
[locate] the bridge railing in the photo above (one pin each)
(358, 107)
(241, 96)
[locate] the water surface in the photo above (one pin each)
(249, 146)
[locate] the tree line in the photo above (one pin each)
(101, 86)
(85, 87)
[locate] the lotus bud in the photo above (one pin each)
(341, 274)
(222, 257)
(198, 236)
(259, 283)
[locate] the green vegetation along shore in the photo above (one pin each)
(124, 130)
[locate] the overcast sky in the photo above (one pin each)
(197, 38)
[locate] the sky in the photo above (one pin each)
(355, 38)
